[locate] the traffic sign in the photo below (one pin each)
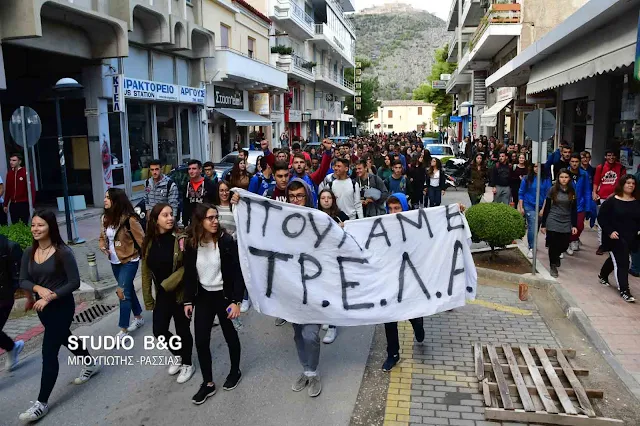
(32, 127)
(455, 119)
(532, 125)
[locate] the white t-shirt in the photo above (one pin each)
(111, 235)
(434, 180)
(209, 267)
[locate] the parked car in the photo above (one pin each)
(427, 141)
(439, 150)
(226, 164)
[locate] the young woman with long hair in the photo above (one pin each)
(417, 176)
(527, 201)
(214, 284)
(222, 202)
(162, 265)
(50, 272)
(239, 176)
(519, 170)
(121, 239)
(619, 218)
(559, 218)
(435, 183)
(385, 171)
(478, 176)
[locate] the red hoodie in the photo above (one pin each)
(16, 187)
(607, 177)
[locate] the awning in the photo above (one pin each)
(606, 49)
(244, 118)
(490, 116)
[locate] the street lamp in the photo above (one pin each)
(64, 85)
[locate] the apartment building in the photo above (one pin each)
(402, 116)
(313, 42)
(486, 35)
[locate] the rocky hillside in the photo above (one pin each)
(400, 44)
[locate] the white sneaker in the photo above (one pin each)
(175, 368)
(186, 372)
(530, 254)
(37, 411)
(331, 335)
(325, 327)
(136, 324)
(575, 246)
(569, 251)
(86, 373)
(121, 334)
(13, 355)
(561, 255)
(246, 305)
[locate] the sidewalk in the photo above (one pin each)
(616, 321)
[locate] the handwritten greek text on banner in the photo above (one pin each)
(298, 264)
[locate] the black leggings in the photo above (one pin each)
(167, 308)
(391, 331)
(618, 261)
(558, 243)
(208, 305)
(56, 319)
(6, 342)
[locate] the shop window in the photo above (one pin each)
(251, 45)
(140, 140)
(419, 110)
(224, 35)
(167, 141)
(162, 68)
(115, 146)
(184, 133)
(390, 114)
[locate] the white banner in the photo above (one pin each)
(298, 264)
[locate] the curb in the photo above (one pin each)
(574, 314)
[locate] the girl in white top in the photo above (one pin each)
(435, 181)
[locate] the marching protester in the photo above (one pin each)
(222, 203)
(398, 182)
(500, 180)
(527, 202)
(121, 239)
(518, 172)
(585, 163)
(435, 183)
(263, 181)
(327, 204)
(605, 180)
(478, 176)
(49, 270)
(199, 190)
(11, 254)
(214, 285)
(16, 196)
(347, 191)
(373, 191)
(386, 169)
(239, 177)
(210, 171)
(160, 189)
(562, 162)
(582, 184)
(417, 175)
(559, 218)
(397, 203)
(619, 218)
(162, 265)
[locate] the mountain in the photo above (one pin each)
(400, 42)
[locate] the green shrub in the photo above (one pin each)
(19, 233)
(283, 50)
(496, 224)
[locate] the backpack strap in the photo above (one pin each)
(127, 224)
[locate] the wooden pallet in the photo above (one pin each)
(536, 385)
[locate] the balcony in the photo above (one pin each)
(333, 111)
(332, 81)
(337, 6)
(497, 28)
(296, 67)
(458, 82)
(472, 13)
(247, 73)
(293, 19)
(453, 45)
(452, 20)
(326, 39)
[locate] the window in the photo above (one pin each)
(375, 114)
(390, 114)
(140, 139)
(224, 35)
(167, 138)
(419, 110)
(390, 126)
(250, 49)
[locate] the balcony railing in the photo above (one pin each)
(299, 13)
(346, 20)
(298, 63)
(329, 34)
(498, 14)
(327, 73)
(237, 52)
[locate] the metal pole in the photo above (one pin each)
(538, 185)
(63, 170)
(26, 159)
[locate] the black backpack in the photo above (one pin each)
(10, 258)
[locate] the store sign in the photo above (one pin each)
(455, 119)
(439, 84)
(228, 98)
(295, 116)
(156, 91)
(117, 97)
(479, 88)
(521, 105)
(504, 93)
(261, 103)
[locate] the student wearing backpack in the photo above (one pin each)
(121, 239)
(159, 188)
(347, 191)
(10, 255)
(397, 182)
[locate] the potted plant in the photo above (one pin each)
(309, 65)
(282, 50)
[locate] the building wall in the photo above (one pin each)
(541, 16)
(405, 118)
(214, 15)
(256, 29)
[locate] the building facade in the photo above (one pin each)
(403, 116)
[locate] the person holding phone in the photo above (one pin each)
(215, 286)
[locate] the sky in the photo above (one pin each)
(440, 8)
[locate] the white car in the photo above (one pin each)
(439, 151)
(228, 160)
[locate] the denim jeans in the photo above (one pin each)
(307, 340)
(124, 274)
(435, 196)
(530, 216)
(635, 262)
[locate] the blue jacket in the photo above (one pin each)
(552, 159)
(403, 201)
(527, 193)
(583, 191)
(259, 184)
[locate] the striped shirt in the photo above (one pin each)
(226, 220)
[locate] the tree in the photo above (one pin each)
(370, 87)
(426, 93)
